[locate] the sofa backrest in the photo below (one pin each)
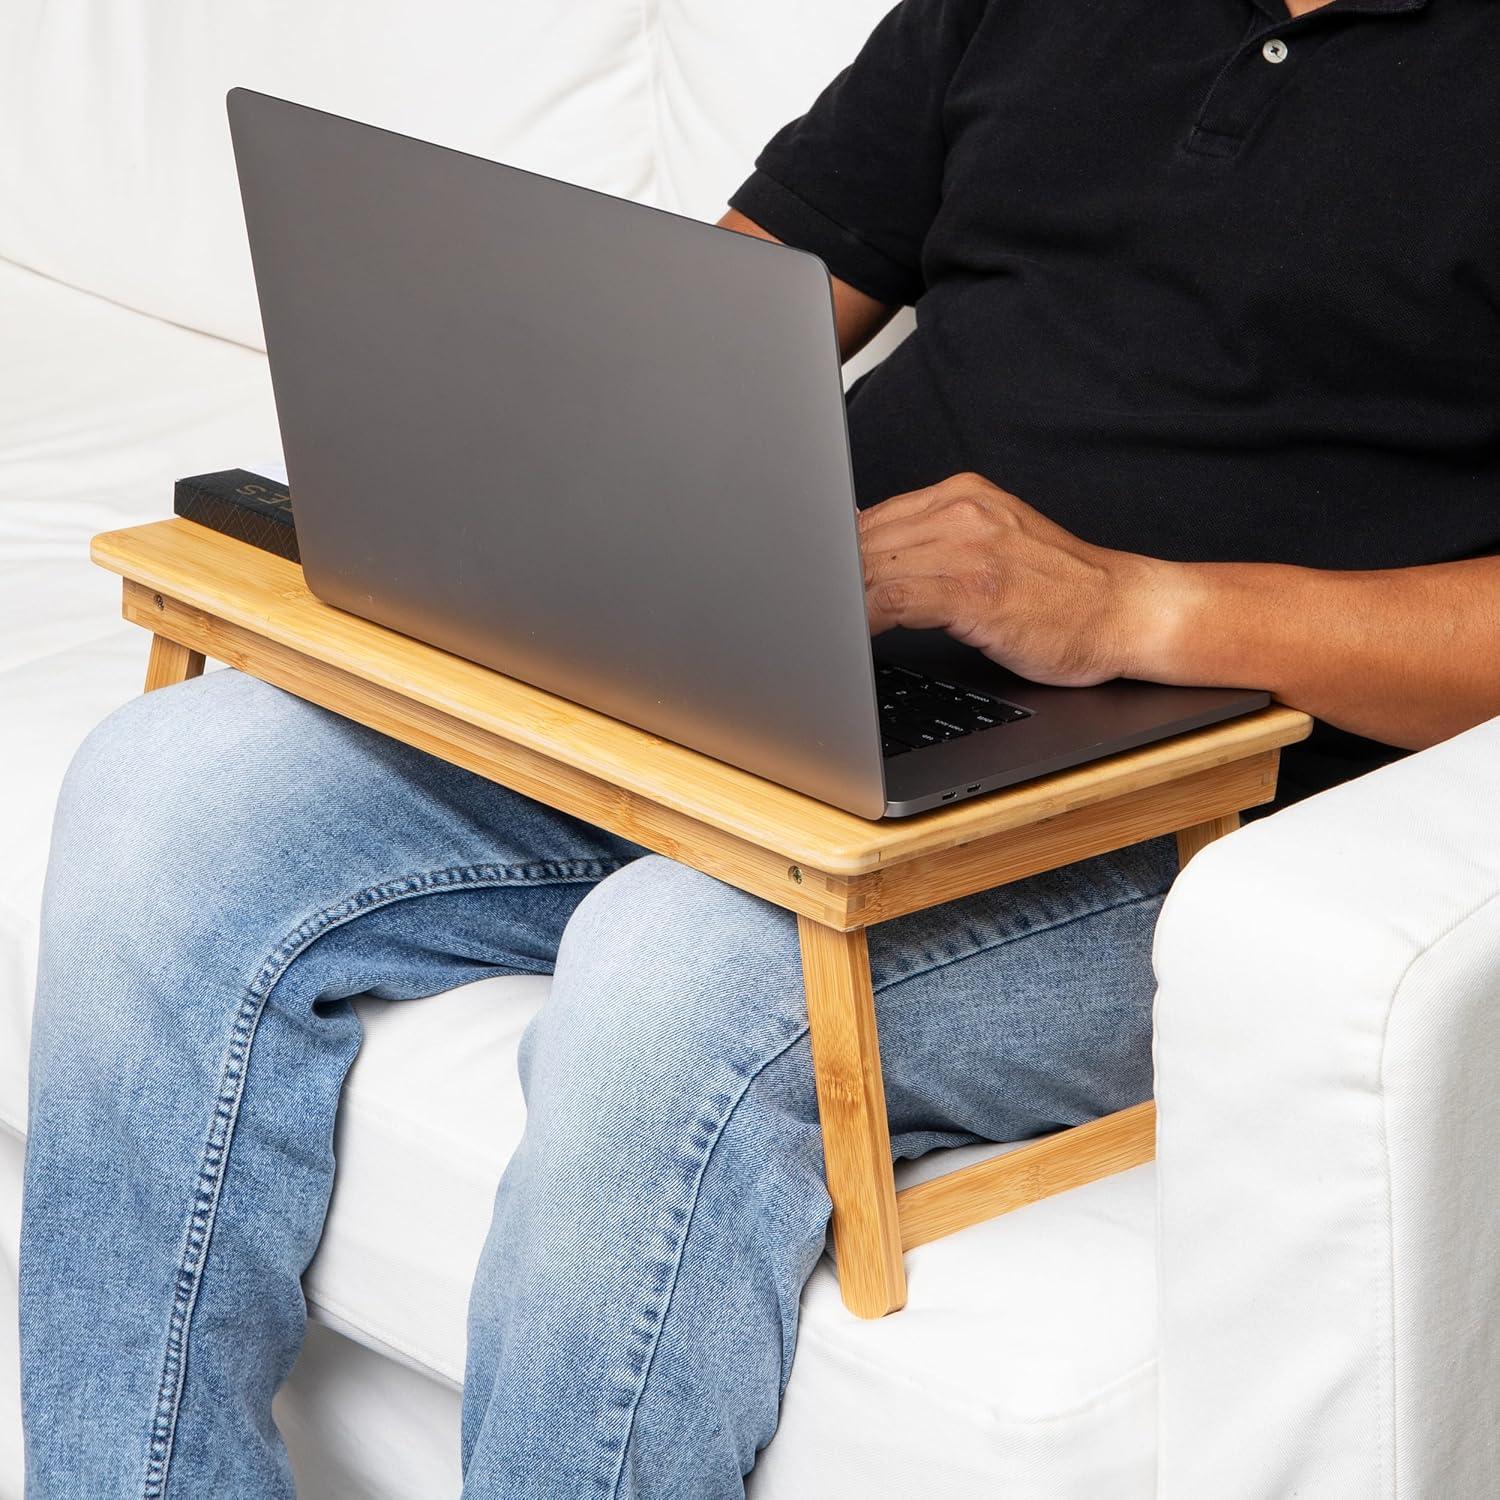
(115, 167)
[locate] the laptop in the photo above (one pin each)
(602, 448)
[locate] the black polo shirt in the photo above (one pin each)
(1194, 278)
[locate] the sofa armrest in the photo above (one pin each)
(1328, 1080)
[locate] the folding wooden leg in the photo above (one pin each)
(170, 663)
(851, 1104)
(1200, 835)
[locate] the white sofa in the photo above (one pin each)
(1297, 1298)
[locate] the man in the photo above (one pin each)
(1209, 294)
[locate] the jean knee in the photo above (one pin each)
(170, 835)
(161, 767)
(666, 979)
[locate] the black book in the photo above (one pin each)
(241, 504)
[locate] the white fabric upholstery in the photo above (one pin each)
(100, 409)
(361, 1426)
(115, 165)
(1328, 1050)
(11, 1156)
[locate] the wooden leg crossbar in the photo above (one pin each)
(873, 1224)
(201, 594)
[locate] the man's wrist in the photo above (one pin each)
(1161, 625)
(1220, 624)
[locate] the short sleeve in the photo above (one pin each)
(858, 179)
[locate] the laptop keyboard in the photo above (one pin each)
(917, 710)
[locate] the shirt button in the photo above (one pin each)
(1274, 51)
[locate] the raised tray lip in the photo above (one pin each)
(157, 554)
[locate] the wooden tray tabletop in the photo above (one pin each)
(253, 591)
(201, 594)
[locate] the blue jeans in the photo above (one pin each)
(231, 865)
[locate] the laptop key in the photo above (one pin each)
(917, 711)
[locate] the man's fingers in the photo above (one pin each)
(918, 563)
(914, 576)
(913, 547)
(917, 601)
(900, 507)
(900, 534)
(929, 497)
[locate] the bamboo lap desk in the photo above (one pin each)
(203, 594)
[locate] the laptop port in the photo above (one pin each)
(949, 796)
(973, 788)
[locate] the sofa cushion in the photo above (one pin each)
(11, 1484)
(100, 410)
(115, 163)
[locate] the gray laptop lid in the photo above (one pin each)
(594, 445)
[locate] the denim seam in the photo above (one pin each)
(210, 1176)
(659, 1318)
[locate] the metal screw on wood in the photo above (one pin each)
(796, 873)
(158, 601)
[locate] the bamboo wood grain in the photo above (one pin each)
(264, 594)
(170, 662)
(1200, 835)
(1097, 828)
(851, 1106)
(845, 902)
(1040, 1169)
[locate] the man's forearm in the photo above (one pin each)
(1407, 656)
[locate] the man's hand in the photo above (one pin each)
(970, 558)
(1405, 655)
